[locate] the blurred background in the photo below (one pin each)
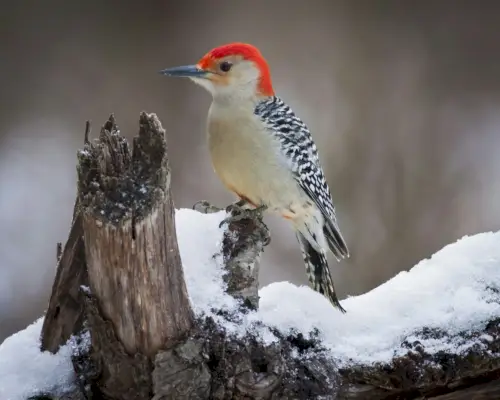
(402, 99)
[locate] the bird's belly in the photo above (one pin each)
(249, 164)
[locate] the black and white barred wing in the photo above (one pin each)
(300, 149)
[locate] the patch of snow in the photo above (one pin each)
(80, 345)
(457, 289)
(85, 289)
(83, 153)
(25, 371)
(200, 243)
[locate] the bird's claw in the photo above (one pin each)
(238, 213)
(236, 207)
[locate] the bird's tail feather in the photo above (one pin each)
(335, 240)
(318, 272)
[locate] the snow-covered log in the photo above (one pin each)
(432, 332)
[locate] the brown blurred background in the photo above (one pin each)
(402, 98)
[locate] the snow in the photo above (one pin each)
(456, 290)
(25, 371)
(200, 239)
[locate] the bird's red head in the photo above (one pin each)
(227, 65)
(248, 53)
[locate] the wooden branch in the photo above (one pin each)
(242, 245)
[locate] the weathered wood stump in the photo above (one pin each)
(120, 298)
(133, 260)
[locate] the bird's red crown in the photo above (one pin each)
(247, 52)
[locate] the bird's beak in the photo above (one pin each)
(186, 71)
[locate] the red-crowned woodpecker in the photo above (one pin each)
(265, 154)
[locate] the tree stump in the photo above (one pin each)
(134, 269)
(133, 260)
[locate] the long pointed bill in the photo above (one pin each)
(186, 71)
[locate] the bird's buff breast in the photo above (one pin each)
(247, 160)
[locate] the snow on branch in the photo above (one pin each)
(431, 330)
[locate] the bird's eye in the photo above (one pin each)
(225, 66)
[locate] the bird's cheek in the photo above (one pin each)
(205, 83)
(220, 80)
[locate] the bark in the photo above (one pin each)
(419, 373)
(120, 294)
(64, 313)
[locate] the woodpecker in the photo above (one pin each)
(263, 152)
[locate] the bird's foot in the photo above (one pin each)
(238, 212)
(236, 207)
